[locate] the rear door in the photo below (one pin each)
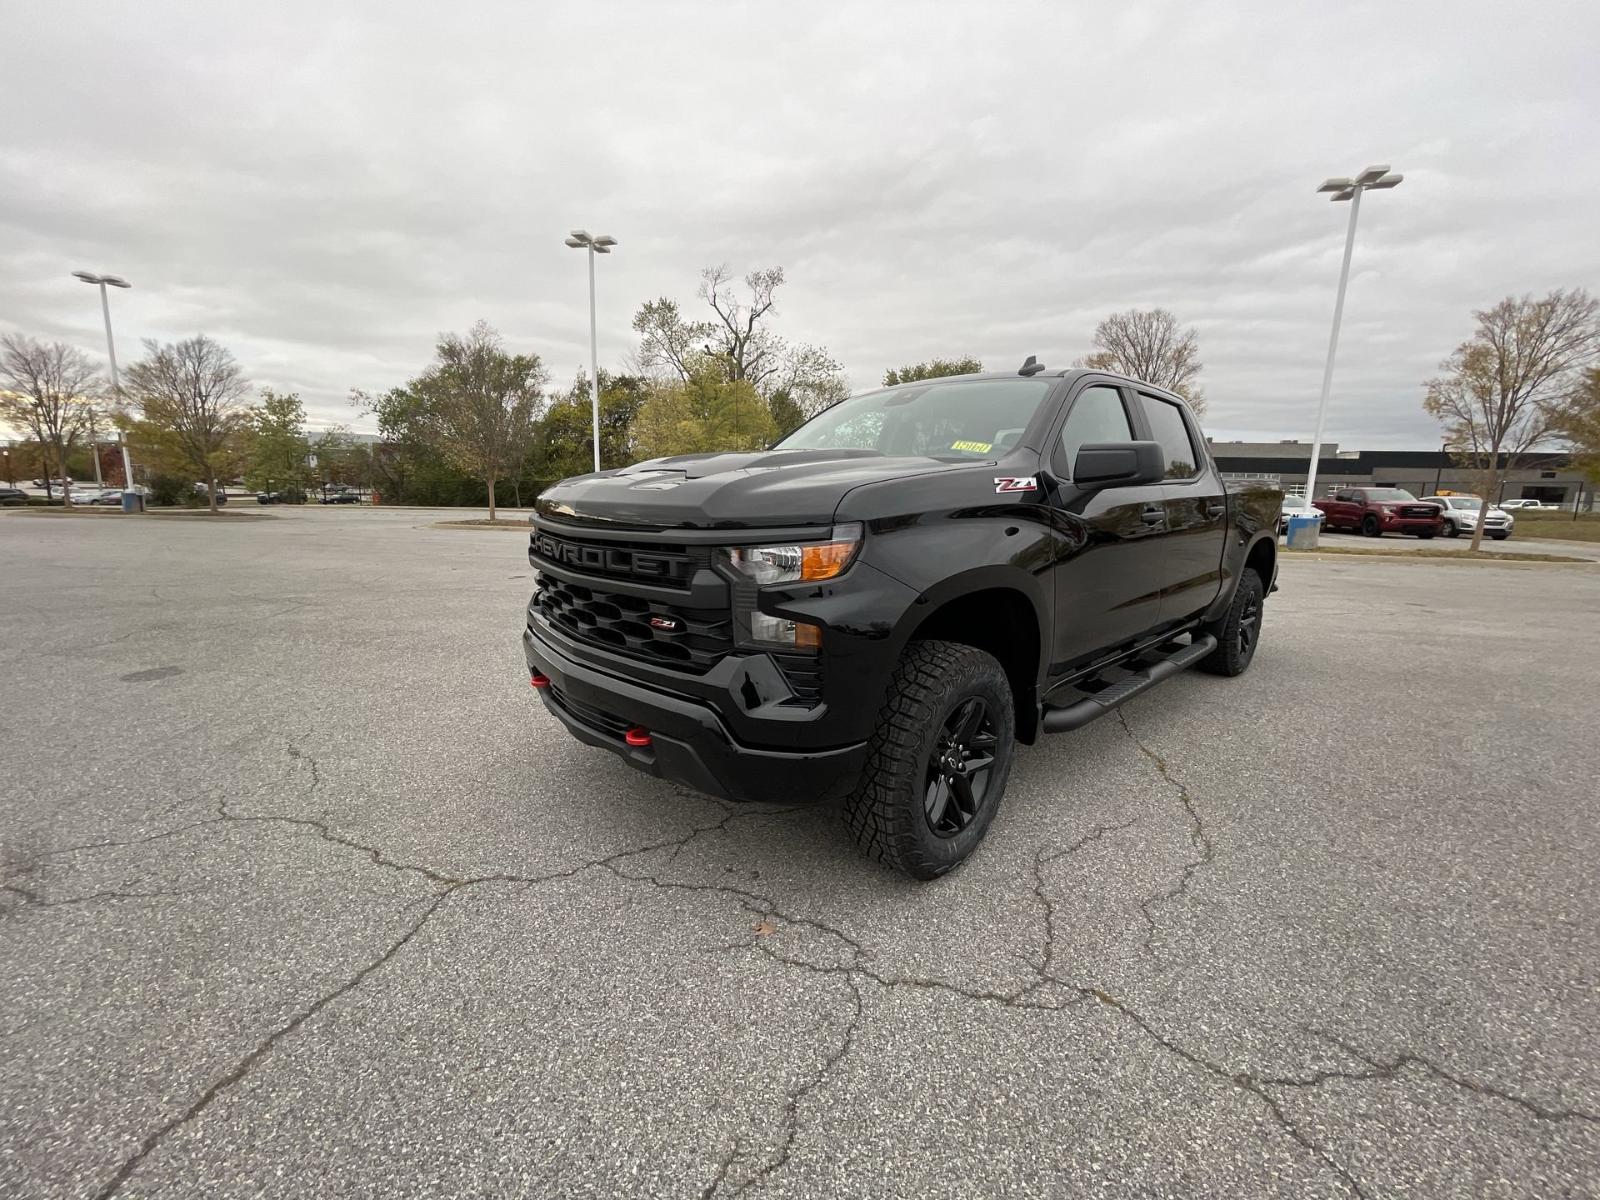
(1108, 579)
(1196, 507)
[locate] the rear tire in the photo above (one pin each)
(909, 810)
(1238, 631)
(1371, 528)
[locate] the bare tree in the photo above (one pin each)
(479, 403)
(1148, 345)
(47, 391)
(1501, 393)
(1578, 424)
(192, 396)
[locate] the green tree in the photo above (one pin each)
(739, 342)
(1500, 395)
(702, 414)
(935, 368)
(190, 398)
(477, 403)
(1149, 345)
(564, 441)
(1578, 423)
(277, 447)
(45, 388)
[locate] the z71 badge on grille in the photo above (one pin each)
(668, 624)
(1016, 483)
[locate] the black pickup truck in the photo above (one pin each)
(879, 607)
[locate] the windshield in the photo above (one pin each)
(969, 420)
(1463, 502)
(1389, 494)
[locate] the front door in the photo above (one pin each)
(1109, 577)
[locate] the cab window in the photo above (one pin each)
(1169, 428)
(1098, 415)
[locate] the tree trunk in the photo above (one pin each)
(491, 497)
(516, 491)
(66, 481)
(211, 493)
(1487, 489)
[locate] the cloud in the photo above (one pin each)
(325, 187)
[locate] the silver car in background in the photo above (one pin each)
(1461, 516)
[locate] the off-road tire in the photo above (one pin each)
(885, 812)
(1234, 651)
(1370, 527)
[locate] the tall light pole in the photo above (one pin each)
(116, 281)
(580, 240)
(1342, 189)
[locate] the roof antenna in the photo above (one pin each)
(1032, 367)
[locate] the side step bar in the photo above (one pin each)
(1076, 716)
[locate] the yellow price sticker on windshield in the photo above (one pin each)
(975, 447)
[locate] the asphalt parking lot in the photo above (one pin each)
(306, 896)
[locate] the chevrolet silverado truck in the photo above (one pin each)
(1376, 511)
(880, 607)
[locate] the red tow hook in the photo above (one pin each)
(637, 736)
(539, 681)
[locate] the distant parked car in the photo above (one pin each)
(201, 490)
(1296, 506)
(1376, 511)
(1526, 505)
(1461, 516)
(340, 496)
(11, 495)
(106, 499)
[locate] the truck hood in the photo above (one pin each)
(726, 491)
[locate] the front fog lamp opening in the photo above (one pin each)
(781, 631)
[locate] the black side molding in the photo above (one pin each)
(1076, 716)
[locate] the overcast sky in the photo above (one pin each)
(324, 187)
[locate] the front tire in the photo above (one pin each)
(938, 761)
(1450, 529)
(1238, 631)
(1371, 528)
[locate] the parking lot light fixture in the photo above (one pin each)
(116, 281)
(580, 239)
(1375, 177)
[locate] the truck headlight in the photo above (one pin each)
(801, 562)
(798, 563)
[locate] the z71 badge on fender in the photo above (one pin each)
(1023, 483)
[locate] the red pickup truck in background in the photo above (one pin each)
(1376, 511)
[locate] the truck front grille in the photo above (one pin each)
(662, 564)
(674, 635)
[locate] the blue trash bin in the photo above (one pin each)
(1303, 532)
(132, 502)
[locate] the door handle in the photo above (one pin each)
(1216, 508)
(1153, 515)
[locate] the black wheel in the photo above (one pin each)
(938, 761)
(1450, 529)
(1238, 631)
(1370, 527)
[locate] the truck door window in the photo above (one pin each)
(1172, 431)
(1098, 415)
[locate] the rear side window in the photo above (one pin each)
(1097, 415)
(1169, 428)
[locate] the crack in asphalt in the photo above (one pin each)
(1392, 1068)
(853, 969)
(1199, 839)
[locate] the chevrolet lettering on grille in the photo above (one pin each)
(606, 560)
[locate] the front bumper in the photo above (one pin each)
(1411, 525)
(689, 743)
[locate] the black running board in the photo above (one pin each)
(1076, 716)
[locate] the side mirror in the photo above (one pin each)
(1119, 464)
